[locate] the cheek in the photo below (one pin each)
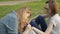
(46, 11)
(28, 14)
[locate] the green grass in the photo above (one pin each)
(8, 0)
(36, 8)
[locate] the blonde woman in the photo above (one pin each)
(16, 22)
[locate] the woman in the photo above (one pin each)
(54, 19)
(16, 22)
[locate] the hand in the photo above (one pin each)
(28, 27)
(33, 28)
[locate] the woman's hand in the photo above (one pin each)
(28, 27)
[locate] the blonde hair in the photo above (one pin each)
(22, 20)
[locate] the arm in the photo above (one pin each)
(50, 27)
(2, 28)
(10, 22)
(37, 31)
(26, 31)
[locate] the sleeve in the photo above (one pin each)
(52, 21)
(11, 24)
(2, 28)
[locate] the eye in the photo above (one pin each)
(28, 11)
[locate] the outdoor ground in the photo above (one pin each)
(37, 7)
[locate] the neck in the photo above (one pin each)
(51, 15)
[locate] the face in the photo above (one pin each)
(27, 13)
(47, 9)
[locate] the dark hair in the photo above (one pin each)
(53, 6)
(47, 2)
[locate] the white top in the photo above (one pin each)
(56, 21)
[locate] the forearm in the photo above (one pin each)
(49, 29)
(26, 31)
(38, 31)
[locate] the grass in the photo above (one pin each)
(8, 0)
(11, 0)
(36, 8)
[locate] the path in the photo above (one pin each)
(15, 2)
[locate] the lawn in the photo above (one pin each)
(7, 0)
(36, 8)
(11, 0)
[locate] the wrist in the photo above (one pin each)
(26, 31)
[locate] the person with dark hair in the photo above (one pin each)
(54, 19)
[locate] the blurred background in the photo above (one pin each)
(36, 6)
